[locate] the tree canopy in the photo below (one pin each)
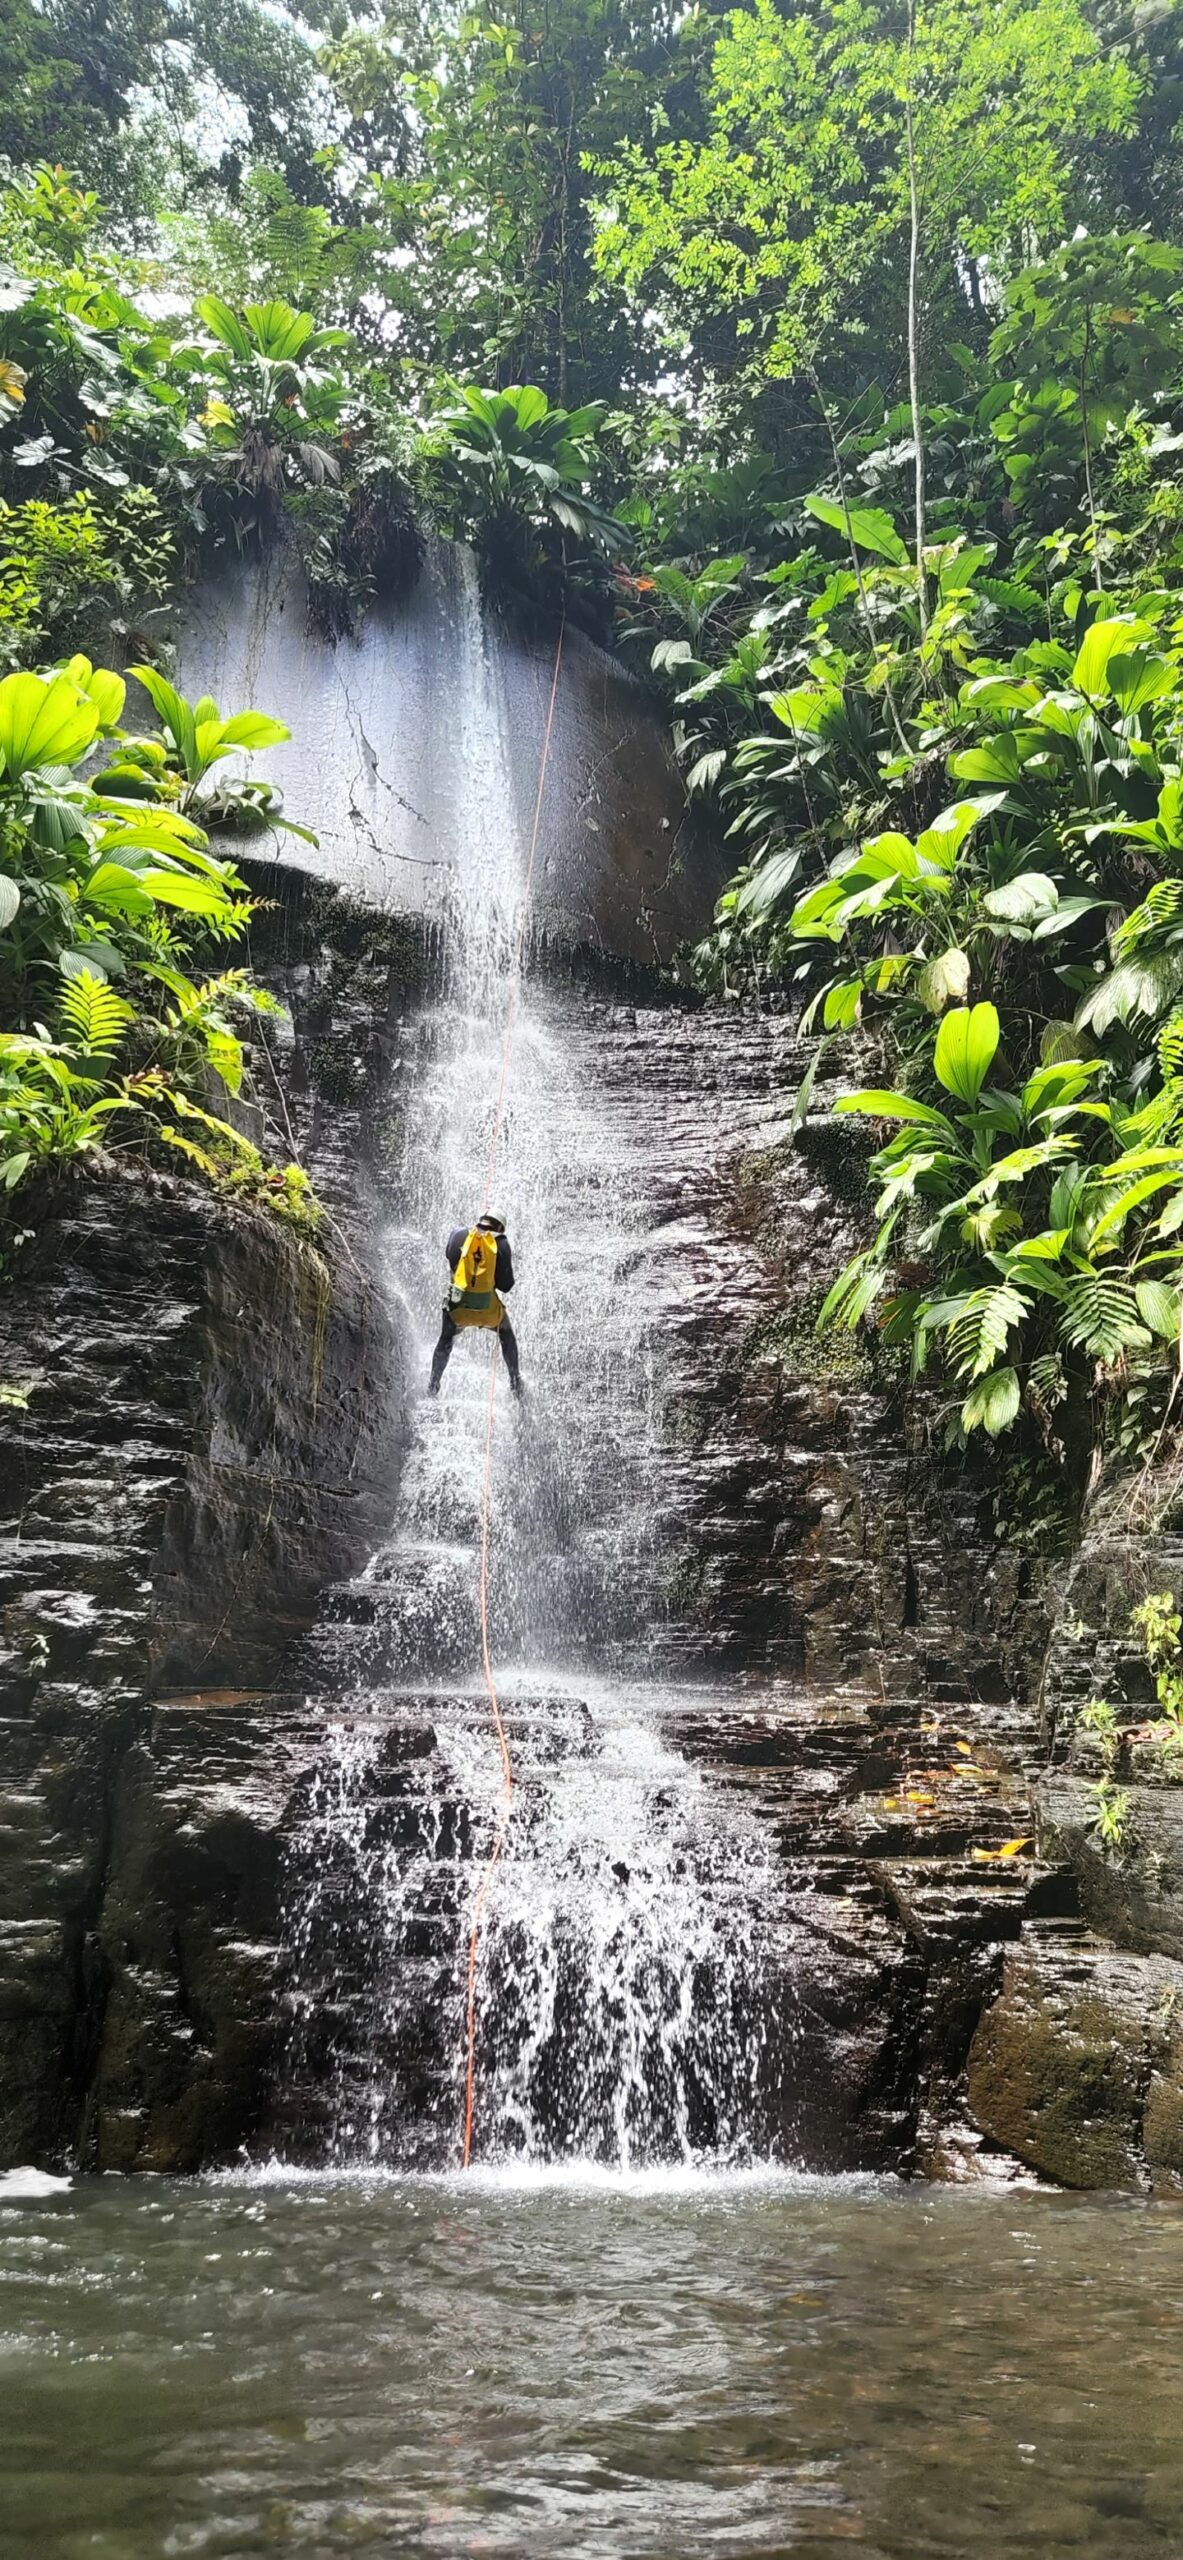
(826, 359)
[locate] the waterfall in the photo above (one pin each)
(619, 1984)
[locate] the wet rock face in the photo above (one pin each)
(211, 1432)
(212, 1437)
(219, 1443)
(1077, 2065)
(386, 729)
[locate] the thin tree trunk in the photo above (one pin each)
(914, 330)
(1098, 574)
(855, 562)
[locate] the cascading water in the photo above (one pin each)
(619, 1982)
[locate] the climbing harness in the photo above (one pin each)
(497, 1844)
(472, 1298)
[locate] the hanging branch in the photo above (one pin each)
(914, 328)
(1086, 350)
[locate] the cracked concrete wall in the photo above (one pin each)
(390, 741)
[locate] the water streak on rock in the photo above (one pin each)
(619, 1979)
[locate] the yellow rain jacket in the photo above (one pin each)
(472, 1298)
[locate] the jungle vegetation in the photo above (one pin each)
(827, 358)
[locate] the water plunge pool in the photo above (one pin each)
(647, 2368)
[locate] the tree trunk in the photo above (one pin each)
(914, 330)
(852, 545)
(1098, 573)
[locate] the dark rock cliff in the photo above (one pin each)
(212, 1438)
(204, 1432)
(1078, 2066)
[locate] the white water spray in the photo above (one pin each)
(619, 1974)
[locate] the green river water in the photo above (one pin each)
(650, 2369)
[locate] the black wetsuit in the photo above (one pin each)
(502, 1282)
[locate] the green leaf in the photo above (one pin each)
(225, 325)
(941, 842)
(997, 761)
(44, 722)
(116, 890)
(1138, 678)
(1103, 641)
(1147, 1187)
(1025, 900)
(979, 1327)
(93, 1013)
(841, 1007)
(945, 980)
(1159, 1307)
(1100, 1316)
(992, 1404)
(181, 889)
(225, 1056)
(894, 1106)
(870, 527)
(965, 1048)
(804, 1094)
(10, 899)
(253, 729)
(176, 714)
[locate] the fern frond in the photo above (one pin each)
(1100, 1315)
(1170, 1047)
(198, 1155)
(1161, 908)
(93, 1014)
(979, 1333)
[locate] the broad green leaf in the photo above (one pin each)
(993, 1403)
(1025, 900)
(1159, 1307)
(1138, 678)
(1103, 641)
(999, 760)
(181, 889)
(965, 1049)
(870, 527)
(225, 325)
(1145, 1188)
(877, 1105)
(1068, 912)
(117, 890)
(1057, 1082)
(172, 708)
(44, 722)
(10, 899)
(253, 729)
(944, 980)
(841, 1007)
(941, 842)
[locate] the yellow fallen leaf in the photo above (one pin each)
(964, 1746)
(889, 1804)
(914, 1798)
(1011, 1848)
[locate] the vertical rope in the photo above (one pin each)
(504, 1809)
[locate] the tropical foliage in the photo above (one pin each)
(117, 1031)
(828, 357)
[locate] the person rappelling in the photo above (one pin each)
(481, 1264)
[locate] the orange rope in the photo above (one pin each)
(498, 1842)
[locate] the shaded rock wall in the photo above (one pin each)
(211, 1433)
(1078, 2067)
